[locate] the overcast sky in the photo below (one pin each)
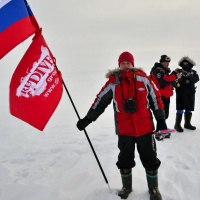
(90, 34)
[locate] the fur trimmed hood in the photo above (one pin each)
(117, 70)
(186, 58)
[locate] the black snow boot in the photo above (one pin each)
(152, 180)
(187, 124)
(177, 125)
(126, 175)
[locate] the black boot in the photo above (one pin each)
(126, 175)
(187, 124)
(152, 180)
(177, 125)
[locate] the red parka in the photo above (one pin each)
(124, 85)
(163, 80)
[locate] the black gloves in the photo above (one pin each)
(161, 125)
(83, 123)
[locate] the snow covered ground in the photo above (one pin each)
(86, 37)
(58, 163)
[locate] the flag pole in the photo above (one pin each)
(87, 136)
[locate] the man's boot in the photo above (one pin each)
(187, 124)
(152, 180)
(126, 175)
(177, 125)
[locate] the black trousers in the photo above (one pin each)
(166, 102)
(146, 147)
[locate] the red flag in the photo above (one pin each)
(17, 24)
(36, 85)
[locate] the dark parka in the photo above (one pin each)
(124, 85)
(185, 87)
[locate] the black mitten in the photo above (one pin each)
(83, 123)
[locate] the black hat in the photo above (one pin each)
(165, 58)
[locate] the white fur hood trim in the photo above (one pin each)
(187, 59)
(113, 71)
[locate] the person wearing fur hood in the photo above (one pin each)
(185, 93)
(135, 97)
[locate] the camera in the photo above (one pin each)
(184, 73)
(179, 70)
(130, 105)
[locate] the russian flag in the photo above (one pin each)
(17, 23)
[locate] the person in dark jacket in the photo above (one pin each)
(135, 97)
(185, 93)
(163, 78)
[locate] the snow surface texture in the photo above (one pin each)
(86, 37)
(58, 163)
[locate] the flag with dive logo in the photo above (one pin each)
(36, 85)
(17, 23)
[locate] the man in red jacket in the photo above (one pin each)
(135, 97)
(163, 78)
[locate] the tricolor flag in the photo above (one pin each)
(36, 85)
(17, 23)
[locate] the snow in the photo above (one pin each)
(86, 37)
(58, 163)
